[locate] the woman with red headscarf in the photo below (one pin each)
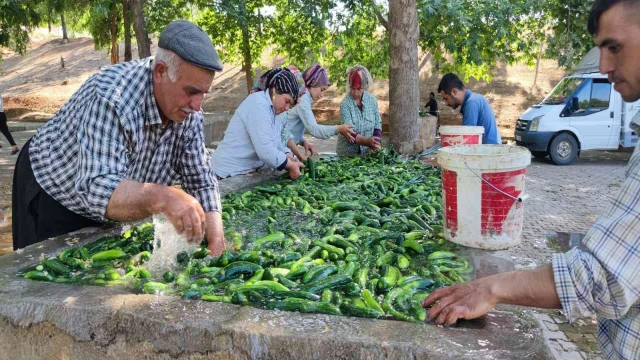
(359, 109)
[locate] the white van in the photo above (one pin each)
(583, 112)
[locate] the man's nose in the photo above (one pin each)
(606, 65)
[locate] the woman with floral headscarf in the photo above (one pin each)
(359, 109)
(300, 118)
(253, 137)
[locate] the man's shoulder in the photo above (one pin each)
(122, 81)
(477, 98)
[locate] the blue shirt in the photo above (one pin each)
(252, 139)
(300, 118)
(476, 111)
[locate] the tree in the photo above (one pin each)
(126, 16)
(17, 18)
(142, 36)
(404, 95)
(357, 36)
(236, 26)
(58, 7)
(566, 25)
(102, 18)
(159, 13)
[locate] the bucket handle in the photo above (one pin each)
(518, 199)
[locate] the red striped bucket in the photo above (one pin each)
(460, 135)
(483, 187)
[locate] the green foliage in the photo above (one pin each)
(469, 37)
(297, 29)
(358, 38)
(159, 13)
(17, 17)
(227, 21)
(95, 17)
(568, 39)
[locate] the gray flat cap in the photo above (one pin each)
(191, 43)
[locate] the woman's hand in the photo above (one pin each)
(309, 148)
(373, 143)
(345, 130)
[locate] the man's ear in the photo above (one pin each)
(160, 70)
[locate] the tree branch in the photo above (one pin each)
(382, 20)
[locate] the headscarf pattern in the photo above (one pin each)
(315, 76)
(283, 80)
(359, 75)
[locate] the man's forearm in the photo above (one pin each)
(214, 232)
(134, 201)
(527, 288)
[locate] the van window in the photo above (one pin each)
(600, 95)
(584, 95)
(562, 91)
(593, 96)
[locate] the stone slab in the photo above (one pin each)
(58, 321)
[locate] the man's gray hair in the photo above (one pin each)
(170, 59)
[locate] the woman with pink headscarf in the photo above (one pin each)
(359, 108)
(300, 118)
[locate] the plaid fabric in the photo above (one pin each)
(362, 121)
(604, 278)
(110, 130)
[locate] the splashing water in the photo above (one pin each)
(167, 243)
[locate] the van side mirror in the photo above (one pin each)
(575, 104)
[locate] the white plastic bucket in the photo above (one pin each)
(460, 135)
(482, 188)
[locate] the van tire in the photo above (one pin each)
(563, 149)
(540, 154)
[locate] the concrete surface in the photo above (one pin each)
(562, 199)
(47, 320)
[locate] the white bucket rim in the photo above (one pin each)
(484, 157)
(460, 130)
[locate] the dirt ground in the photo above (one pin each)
(35, 86)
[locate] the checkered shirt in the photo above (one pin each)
(604, 278)
(111, 130)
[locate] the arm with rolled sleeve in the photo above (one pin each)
(198, 179)
(603, 278)
(471, 114)
(102, 159)
(266, 144)
(309, 120)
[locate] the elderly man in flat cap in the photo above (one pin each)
(115, 148)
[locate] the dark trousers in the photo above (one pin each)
(4, 128)
(36, 215)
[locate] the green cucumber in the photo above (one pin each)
(57, 267)
(108, 255)
(39, 275)
(359, 311)
(326, 283)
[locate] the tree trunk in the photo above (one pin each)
(142, 37)
(535, 79)
(49, 18)
(65, 38)
(113, 30)
(246, 51)
(404, 95)
(126, 14)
